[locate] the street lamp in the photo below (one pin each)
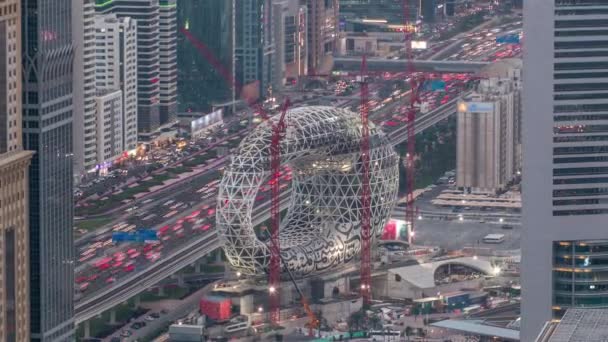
(260, 309)
(238, 274)
(419, 217)
(460, 218)
(272, 289)
(501, 220)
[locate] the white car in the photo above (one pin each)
(149, 318)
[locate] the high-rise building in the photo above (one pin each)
(14, 163)
(168, 60)
(83, 32)
(109, 124)
(565, 175)
(427, 10)
(47, 61)
(323, 34)
(147, 16)
(290, 42)
(211, 22)
(488, 147)
(254, 47)
(116, 68)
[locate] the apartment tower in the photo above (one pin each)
(147, 15)
(116, 68)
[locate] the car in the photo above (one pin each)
(126, 333)
(164, 311)
(155, 315)
(506, 226)
(81, 279)
(136, 325)
(115, 339)
(110, 280)
(149, 318)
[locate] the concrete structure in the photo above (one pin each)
(565, 171)
(589, 325)
(47, 57)
(186, 333)
(398, 65)
(83, 32)
(254, 47)
(477, 330)
(14, 199)
(290, 32)
(168, 60)
(147, 16)
(323, 34)
(488, 147)
(109, 126)
(419, 281)
(116, 68)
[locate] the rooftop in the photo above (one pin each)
(477, 327)
(578, 325)
(423, 275)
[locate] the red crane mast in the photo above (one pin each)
(410, 110)
(366, 212)
(278, 132)
(274, 269)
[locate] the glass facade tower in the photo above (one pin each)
(47, 59)
(211, 22)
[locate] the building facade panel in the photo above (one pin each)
(564, 137)
(48, 57)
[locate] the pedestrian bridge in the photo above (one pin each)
(400, 65)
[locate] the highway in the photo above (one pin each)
(108, 297)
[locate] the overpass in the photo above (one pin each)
(397, 65)
(104, 299)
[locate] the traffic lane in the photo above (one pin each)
(454, 235)
(173, 235)
(157, 197)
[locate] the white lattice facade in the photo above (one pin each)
(321, 229)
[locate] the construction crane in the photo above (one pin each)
(366, 212)
(278, 132)
(274, 267)
(409, 109)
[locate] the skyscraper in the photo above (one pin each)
(323, 35)
(147, 15)
(254, 47)
(565, 165)
(168, 60)
(290, 41)
(116, 68)
(47, 58)
(211, 22)
(14, 162)
(83, 32)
